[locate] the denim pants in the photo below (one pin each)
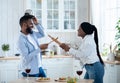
(40, 74)
(95, 71)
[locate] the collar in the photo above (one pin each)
(23, 34)
(87, 36)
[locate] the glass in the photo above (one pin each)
(79, 72)
(49, 4)
(55, 14)
(72, 14)
(32, 3)
(55, 26)
(72, 24)
(49, 14)
(27, 70)
(66, 16)
(38, 4)
(66, 23)
(55, 4)
(49, 24)
(38, 14)
(66, 4)
(72, 4)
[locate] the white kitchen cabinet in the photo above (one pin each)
(55, 15)
(8, 70)
(77, 66)
(112, 73)
(58, 67)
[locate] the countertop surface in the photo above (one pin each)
(44, 57)
(56, 56)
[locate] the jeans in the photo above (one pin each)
(94, 71)
(40, 74)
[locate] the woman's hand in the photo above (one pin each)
(44, 46)
(65, 47)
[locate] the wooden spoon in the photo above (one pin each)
(55, 40)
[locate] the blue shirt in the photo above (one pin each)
(31, 56)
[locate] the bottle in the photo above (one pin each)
(51, 53)
(111, 56)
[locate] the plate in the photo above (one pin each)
(62, 80)
(43, 79)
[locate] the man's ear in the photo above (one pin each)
(24, 24)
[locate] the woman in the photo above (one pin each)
(88, 52)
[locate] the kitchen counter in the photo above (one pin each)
(44, 57)
(116, 62)
(112, 62)
(56, 56)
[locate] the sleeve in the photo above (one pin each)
(24, 50)
(81, 53)
(40, 32)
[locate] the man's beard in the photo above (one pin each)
(29, 30)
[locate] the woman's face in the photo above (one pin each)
(81, 33)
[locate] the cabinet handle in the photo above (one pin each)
(112, 65)
(3, 61)
(75, 66)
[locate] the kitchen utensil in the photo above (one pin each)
(52, 40)
(110, 48)
(55, 40)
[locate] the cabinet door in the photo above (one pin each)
(55, 15)
(110, 73)
(59, 67)
(69, 14)
(11, 74)
(8, 71)
(7, 75)
(118, 73)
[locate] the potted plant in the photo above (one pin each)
(5, 48)
(117, 37)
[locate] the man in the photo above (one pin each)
(30, 48)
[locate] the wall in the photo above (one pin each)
(10, 12)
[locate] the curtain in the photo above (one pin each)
(104, 15)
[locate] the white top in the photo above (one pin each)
(86, 52)
(32, 41)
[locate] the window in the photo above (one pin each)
(105, 14)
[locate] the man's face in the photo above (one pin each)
(29, 26)
(30, 23)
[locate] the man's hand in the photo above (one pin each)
(64, 46)
(35, 21)
(44, 46)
